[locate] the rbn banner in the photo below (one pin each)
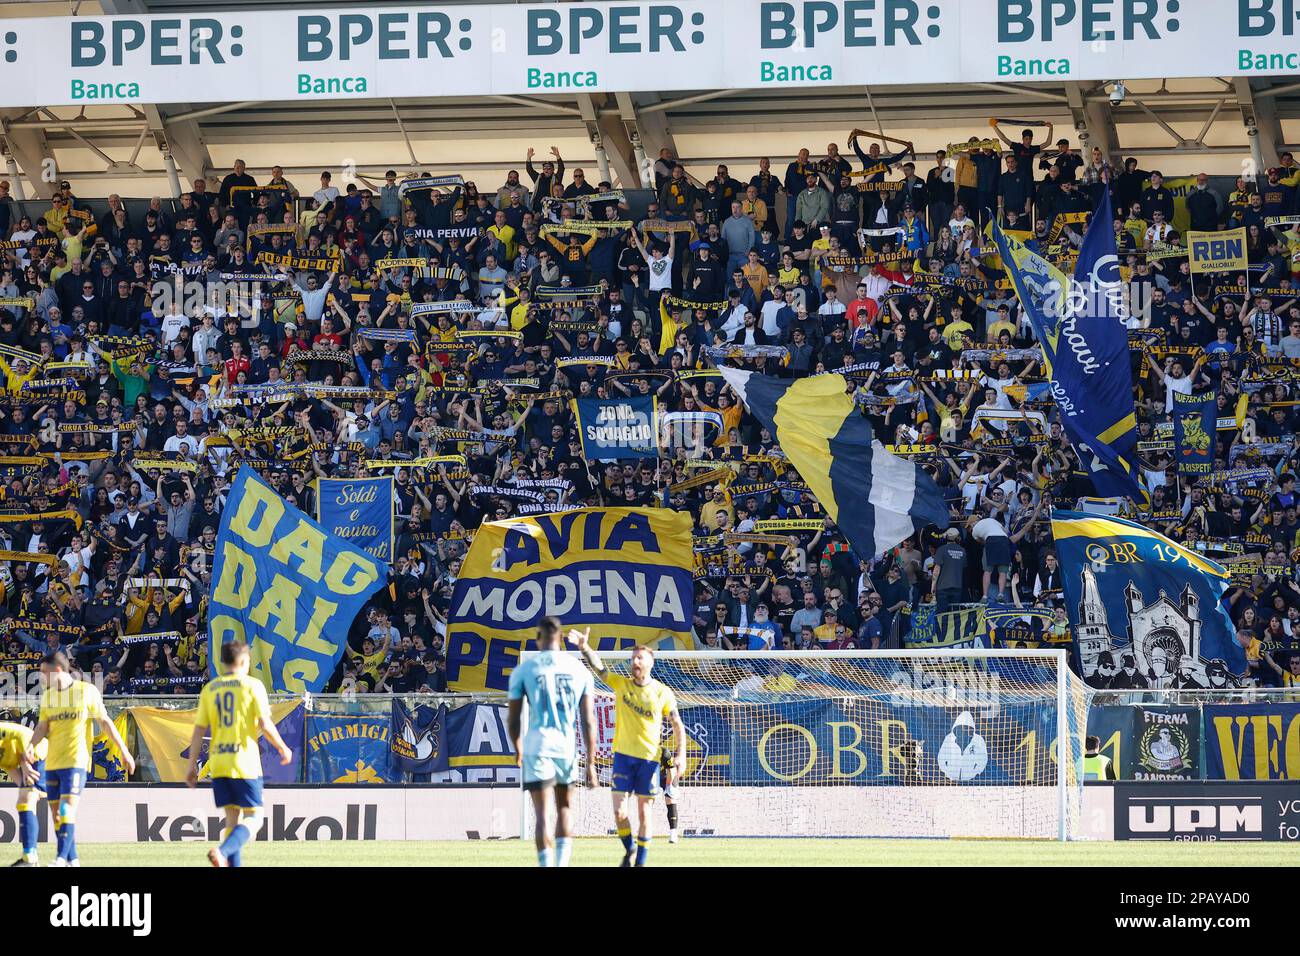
(1217, 251)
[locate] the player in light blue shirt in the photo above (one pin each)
(558, 688)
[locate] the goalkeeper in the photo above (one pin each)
(668, 776)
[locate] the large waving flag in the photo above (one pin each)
(1080, 324)
(1135, 597)
(876, 498)
(286, 586)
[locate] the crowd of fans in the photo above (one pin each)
(145, 357)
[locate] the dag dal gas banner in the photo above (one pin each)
(482, 49)
(625, 573)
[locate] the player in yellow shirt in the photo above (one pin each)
(640, 705)
(234, 710)
(25, 768)
(68, 706)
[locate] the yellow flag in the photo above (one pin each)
(106, 758)
(166, 734)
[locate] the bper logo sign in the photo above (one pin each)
(1196, 820)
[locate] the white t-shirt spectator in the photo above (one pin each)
(1158, 232)
(326, 194)
(770, 309)
(661, 273)
(987, 528)
(172, 325)
(1183, 386)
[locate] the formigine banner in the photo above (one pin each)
(483, 49)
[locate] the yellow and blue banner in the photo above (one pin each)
(416, 739)
(1013, 627)
(105, 758)
(360, 511)
(618, 428)
(877, 499)
(166, 735)
(1145, 612)
(286, 586)
(479, 748)
(1223, 251)
(348, 748)
(1252, 741)
(623, 572)
(952, 630)
(1195, 426)
(1080, 324)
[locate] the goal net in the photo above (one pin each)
(896, 743)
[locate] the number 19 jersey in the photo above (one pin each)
(553, 683)
(230, 708)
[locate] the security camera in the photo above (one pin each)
(1118, 93)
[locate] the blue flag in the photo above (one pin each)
(416, 741)
(1145, 612)
(285, 586)
(359, 510)
(618, 428)
(1195, 427)
(1080, 324)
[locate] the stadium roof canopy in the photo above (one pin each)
(1217, 125)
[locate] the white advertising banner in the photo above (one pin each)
(474, 50)
(130, 813)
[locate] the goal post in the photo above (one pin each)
(883, 743)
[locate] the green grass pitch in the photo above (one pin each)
(712, 852)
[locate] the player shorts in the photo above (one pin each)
(549, 771)
(230, 792)
(15, 777)
(634, 775)
(68, 782)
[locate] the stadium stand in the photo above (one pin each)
(148, 348)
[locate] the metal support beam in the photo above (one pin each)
(177, 135)
(647, 125)
(1273, 91)
(1177, 137)
(685, 101)
(1262, 127)
(1021, 91)
(29, 149)
(539, 105)
(183, 142)
(1093, 122)
(587, 109)
(616, 153)
(1209, 122)
(632, 131)
(212, 111)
